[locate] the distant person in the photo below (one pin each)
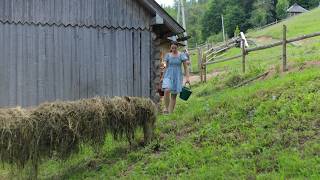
(173, 77)
(186, 52)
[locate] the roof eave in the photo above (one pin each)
(171, 23)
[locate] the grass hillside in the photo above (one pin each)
(298, 52)
(269, 129)
(298, 25)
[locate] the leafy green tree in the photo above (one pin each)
(247, 6)
(237, 31)
(216, 38)
(263, 12)
(211, 22)
(243, 13)
(234, 17)
(259, 17)
(281, 9)
(203, 17)
(194, 14)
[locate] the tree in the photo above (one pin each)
(281, 8)
(211, 22)
(259, 17)
(245, 14)
(263, 12)
(204, 16)
(234, 16)
(194, 11)
(247, 6)
(237, 31)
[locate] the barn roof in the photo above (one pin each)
(169, 22)
(116, 14)
(296, 8)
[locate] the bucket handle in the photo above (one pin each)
(189, 85)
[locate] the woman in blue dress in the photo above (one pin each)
(173, 77)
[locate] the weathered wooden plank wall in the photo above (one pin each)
(41, 63)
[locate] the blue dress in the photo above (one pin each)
(173, 77)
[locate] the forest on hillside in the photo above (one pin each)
(203, 17)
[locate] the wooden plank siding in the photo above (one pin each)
(46, 63)
(72, 49)
(145, 63)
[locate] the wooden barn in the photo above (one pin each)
(72, 49)
(296, 9)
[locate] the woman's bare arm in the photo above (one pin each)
(186, 71)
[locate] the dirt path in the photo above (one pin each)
(195, 78)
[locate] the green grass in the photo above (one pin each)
(297, 26)
(307, 50)
(268, 129)
(194, 63)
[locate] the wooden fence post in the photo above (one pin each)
(199, 59)
(205, 68)
(200, 62)
(284, 49)
(243, 56)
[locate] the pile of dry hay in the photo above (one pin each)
(57, 129)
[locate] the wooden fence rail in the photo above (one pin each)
(210, 49)
(223, 60)
(246, 51)
(222, 45)
(281, 42)
(211, 56)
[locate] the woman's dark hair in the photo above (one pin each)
(174, 43)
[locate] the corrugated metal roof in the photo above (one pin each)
(125, 14)
(296, 9)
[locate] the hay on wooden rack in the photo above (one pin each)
(145, 110)
(120, 118)
(93, 127)
(145, 115)
(64, 125)
(58, 129)
(125, 114)
(16, 136)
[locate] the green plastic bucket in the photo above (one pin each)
(186, 92)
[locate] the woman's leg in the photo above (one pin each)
(166, 99)
(172, 102)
